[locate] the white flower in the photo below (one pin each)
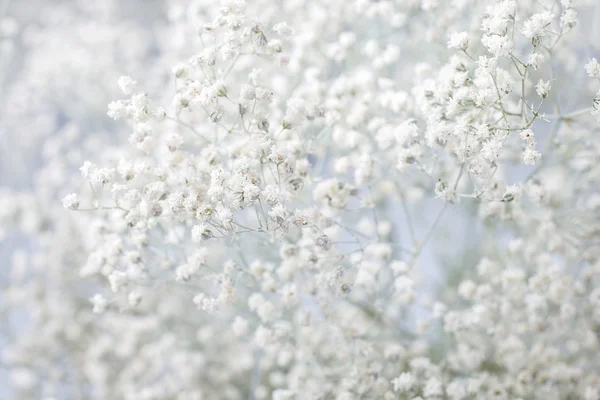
(87, 169)
(530, 156)
(569, 18)
(537, 24)
(403, 286)
(491, 149)
(403, 383)
(126, 84)
(240, 326)
(117, 280)
(99, 303)
(535, 60)
(181, 70)
(134, 299)
(117, 110)
(71, 201)
(543, 88)
(433, 388)
(201, 233)
(528, 136)
(593, 68)
(499, 46)
(459, 40)
(300, 218)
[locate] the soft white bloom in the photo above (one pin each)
(118, 280)
(569, 18)
(543, 88)
(499, 46)
(201, 233)
(314, 165)
(593, 68)
(537, 24)
(240, 326)
(459, 40)
(433, 388)
(404, 289)
(530, 156)
(404, 382)
(71, 201)
(99, 303)
(126, 84)
(134, 298)
(535, 60)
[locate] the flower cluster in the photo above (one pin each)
(302, 203)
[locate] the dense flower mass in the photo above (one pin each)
(305, 199)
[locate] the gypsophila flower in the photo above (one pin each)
(99, 303)
(71, 201)
(530, 156)
(433, 388)
(201, 233)
(403, 383)
(118, 280)
(569, 18)
(535, 60)
(126, 84)
(334, 211)
(542, 88)
(537, 24)
(459, 40)
(499, 46)
(134, 299)
(593, 68)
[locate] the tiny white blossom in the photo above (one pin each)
(593, 68)
(71, 201)
(403, 383)
(537, 24)
(459, 40)
(118, 280)
(535, 60)
(99, 303)
(569, 18)
(201, 233)
(530, 156)
(543, 88)
(126, 84)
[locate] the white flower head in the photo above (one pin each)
(459, 40)
(543, 88)
(126, 84)
(71, 201)
(593, 68)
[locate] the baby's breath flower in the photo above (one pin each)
(543, 88)
(313, 161)
(126, 84)
(99, 303)
(537, 25)
(200, 233)
(459, 40)
(535, 60)
(593, 68)
(71, 201)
